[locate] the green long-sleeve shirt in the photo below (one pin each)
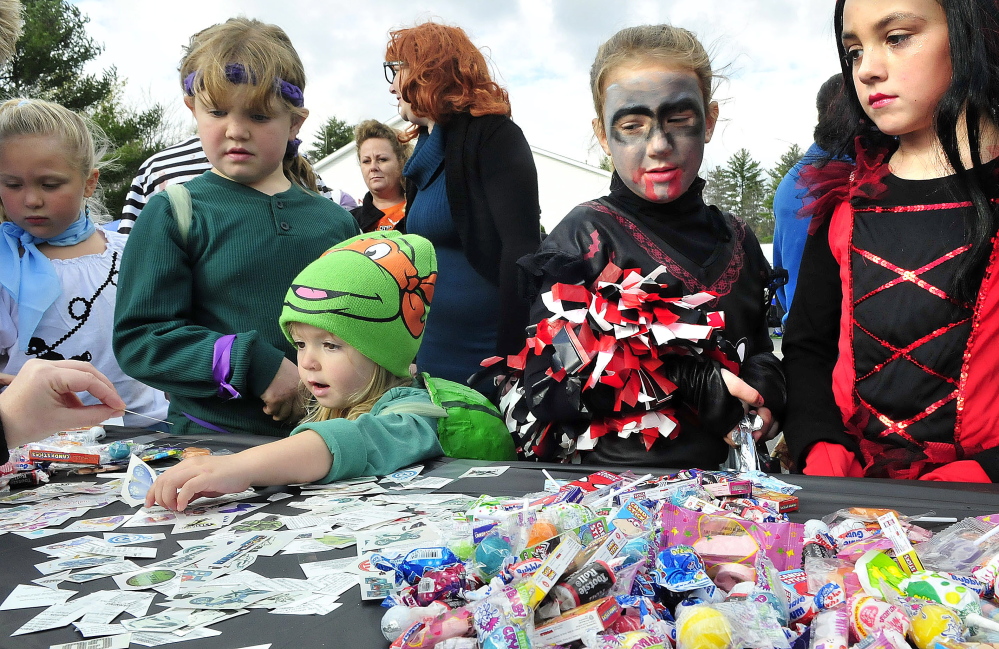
(400, 429)
(175, 299)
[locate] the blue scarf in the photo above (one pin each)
(30, 278)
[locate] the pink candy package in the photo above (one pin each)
(722, 539)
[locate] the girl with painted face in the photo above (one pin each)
(892, 350)
(195, 307)
(652, 93)
(59, 270)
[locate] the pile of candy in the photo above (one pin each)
(77, 450)
(696, 560)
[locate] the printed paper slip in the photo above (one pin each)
(99, 572)
(24, 596)
(52, 618)
(321, 605)
(367, 517)
(484, 472)
(425, 483)
(73, 563)
(131, 539)
(92, 630)
(138, 480)
(113, 642)
(103, 524)
(52, 581)
(151, 639)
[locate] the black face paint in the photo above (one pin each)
(656, 125)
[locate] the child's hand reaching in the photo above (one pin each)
(195, 477)
(281, 398)
(751, 400)
(299, 458)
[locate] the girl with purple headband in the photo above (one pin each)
(209, 265)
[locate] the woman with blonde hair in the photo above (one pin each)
(382, 157)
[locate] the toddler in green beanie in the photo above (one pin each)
(356, 316)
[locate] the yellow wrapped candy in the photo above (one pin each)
(702, 627)
(932, 622)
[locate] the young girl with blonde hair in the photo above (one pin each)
(195, 314)
(58, 269)
(356, 317)
(666, 404)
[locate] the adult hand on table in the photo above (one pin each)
(42, 400)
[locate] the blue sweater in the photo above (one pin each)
(462, 326)
(790, 232)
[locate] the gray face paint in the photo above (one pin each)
(655, 121)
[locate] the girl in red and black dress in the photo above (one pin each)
(891, 346)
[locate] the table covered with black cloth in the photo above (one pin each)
(355, 625)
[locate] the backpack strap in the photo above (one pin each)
(183, 211)
(421, 409)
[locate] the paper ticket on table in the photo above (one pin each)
(138, 481)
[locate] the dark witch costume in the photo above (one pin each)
(881, 357)
(652, 397)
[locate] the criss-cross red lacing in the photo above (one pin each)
(913, 276)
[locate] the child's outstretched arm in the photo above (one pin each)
(301, 458)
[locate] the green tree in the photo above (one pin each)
(49, 58)
(134, 135)
(790, 158)
(739, 187)
(48, 63)
(333, 134)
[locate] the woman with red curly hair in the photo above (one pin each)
(473, 192)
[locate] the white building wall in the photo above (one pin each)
(563, 183)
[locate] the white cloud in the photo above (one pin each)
(776, 53)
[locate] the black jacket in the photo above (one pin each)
(367, 215)
(492, 188)
(700, 249)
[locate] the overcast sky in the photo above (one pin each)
(775, 54)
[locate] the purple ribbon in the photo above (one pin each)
(236, 73)
(202, 422)
(222, 367)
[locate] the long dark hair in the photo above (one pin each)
(973, 28)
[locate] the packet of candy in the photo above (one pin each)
(875, 568)
(679, 569)
(427, 633)
(831, 629)
(960, 547)
(728, 624)
(719, 539)
(868, 615)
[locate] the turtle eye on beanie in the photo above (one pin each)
(372, 291)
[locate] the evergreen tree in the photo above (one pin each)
(48, 63)
(134, 135)
(50, 56)
(332, 135)
(787, 161)
(739, 187)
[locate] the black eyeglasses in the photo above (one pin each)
(392, 68)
